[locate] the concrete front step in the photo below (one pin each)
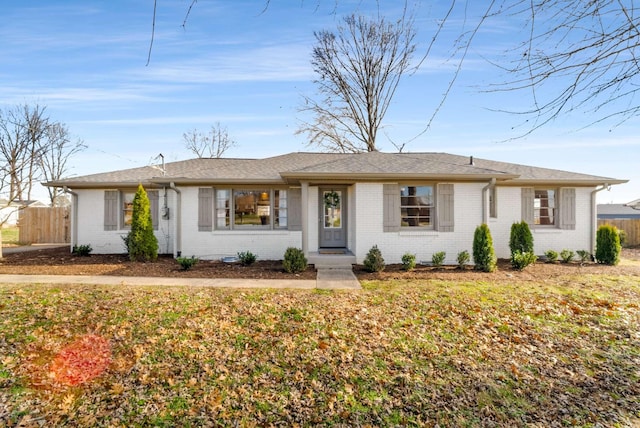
(331, 261)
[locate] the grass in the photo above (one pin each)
(10, 235)
(395, 353)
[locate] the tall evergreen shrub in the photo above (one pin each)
(521, 238)
(142, 244)
(608, 246)
(484, 256)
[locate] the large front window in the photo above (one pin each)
(417, 207)
(544, 207)
(250, 209)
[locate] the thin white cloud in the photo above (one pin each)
(270, 63)
(178, 120)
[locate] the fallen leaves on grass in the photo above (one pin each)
(395, 353)
(81, 361)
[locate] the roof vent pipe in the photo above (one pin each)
(471, 160)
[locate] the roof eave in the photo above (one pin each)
(353, 177)
(160, 181)
(566, 182)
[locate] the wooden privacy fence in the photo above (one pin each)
(631, 228)
(44, 225)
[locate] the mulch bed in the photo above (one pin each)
(59, 261)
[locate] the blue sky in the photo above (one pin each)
(247, 68)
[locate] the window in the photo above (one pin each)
(280, 209)
(549, 207)
(244, 209)
(409, 206)
(544, 207)
(118, 208)
(223, 205)
(416, 206)
(127, 208)
(251, 208)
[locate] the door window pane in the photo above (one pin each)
(332, 200)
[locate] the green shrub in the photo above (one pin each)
(608, 245)
(294, 260)
(521, 238)
(141, 243)
(484, 256)
(552, 256)
(584, 255)
(623, 237)
(247, 258)
(374, 262)
(463, 259)
(82, 250)
(187, 263)
(567, 255)
(520, 260)
(437, 259)
(408, 261)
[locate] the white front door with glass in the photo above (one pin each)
(333, 225)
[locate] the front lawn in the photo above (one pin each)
(10, 235)
(530, 353)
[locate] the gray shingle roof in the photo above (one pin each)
(617, 211)
(345, 166)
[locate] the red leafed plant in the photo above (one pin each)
(82, 360)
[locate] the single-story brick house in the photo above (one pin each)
(402, 202)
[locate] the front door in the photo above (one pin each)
(333, 221)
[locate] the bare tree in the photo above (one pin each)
(577, 56)
(214, 144)
(359, 68)
(54, 161)
(21, 133)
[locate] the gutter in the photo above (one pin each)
(74, 216)
(490, 185)
(594, 215)
(178, 237)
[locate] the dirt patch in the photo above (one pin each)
(59, 261)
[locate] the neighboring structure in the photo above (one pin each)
(634, 204)
(619, 211)
(10, 210)
(402, 202)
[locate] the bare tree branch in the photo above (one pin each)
(214, 144)
(579, 57)
(359, 69)
(54, 162)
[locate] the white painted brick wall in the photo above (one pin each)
(544, 237)
(368, 220)
(365, 223)
(369, 227)
(91, 224)
(266, 244)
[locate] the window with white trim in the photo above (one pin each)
(250, 208)
(417, 206)
(544, 207)
(126, 199)
(118, 208)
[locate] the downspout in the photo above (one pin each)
(74, 216)
(594, 215)
(490, 185)
(178, 237)
(304, 212)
